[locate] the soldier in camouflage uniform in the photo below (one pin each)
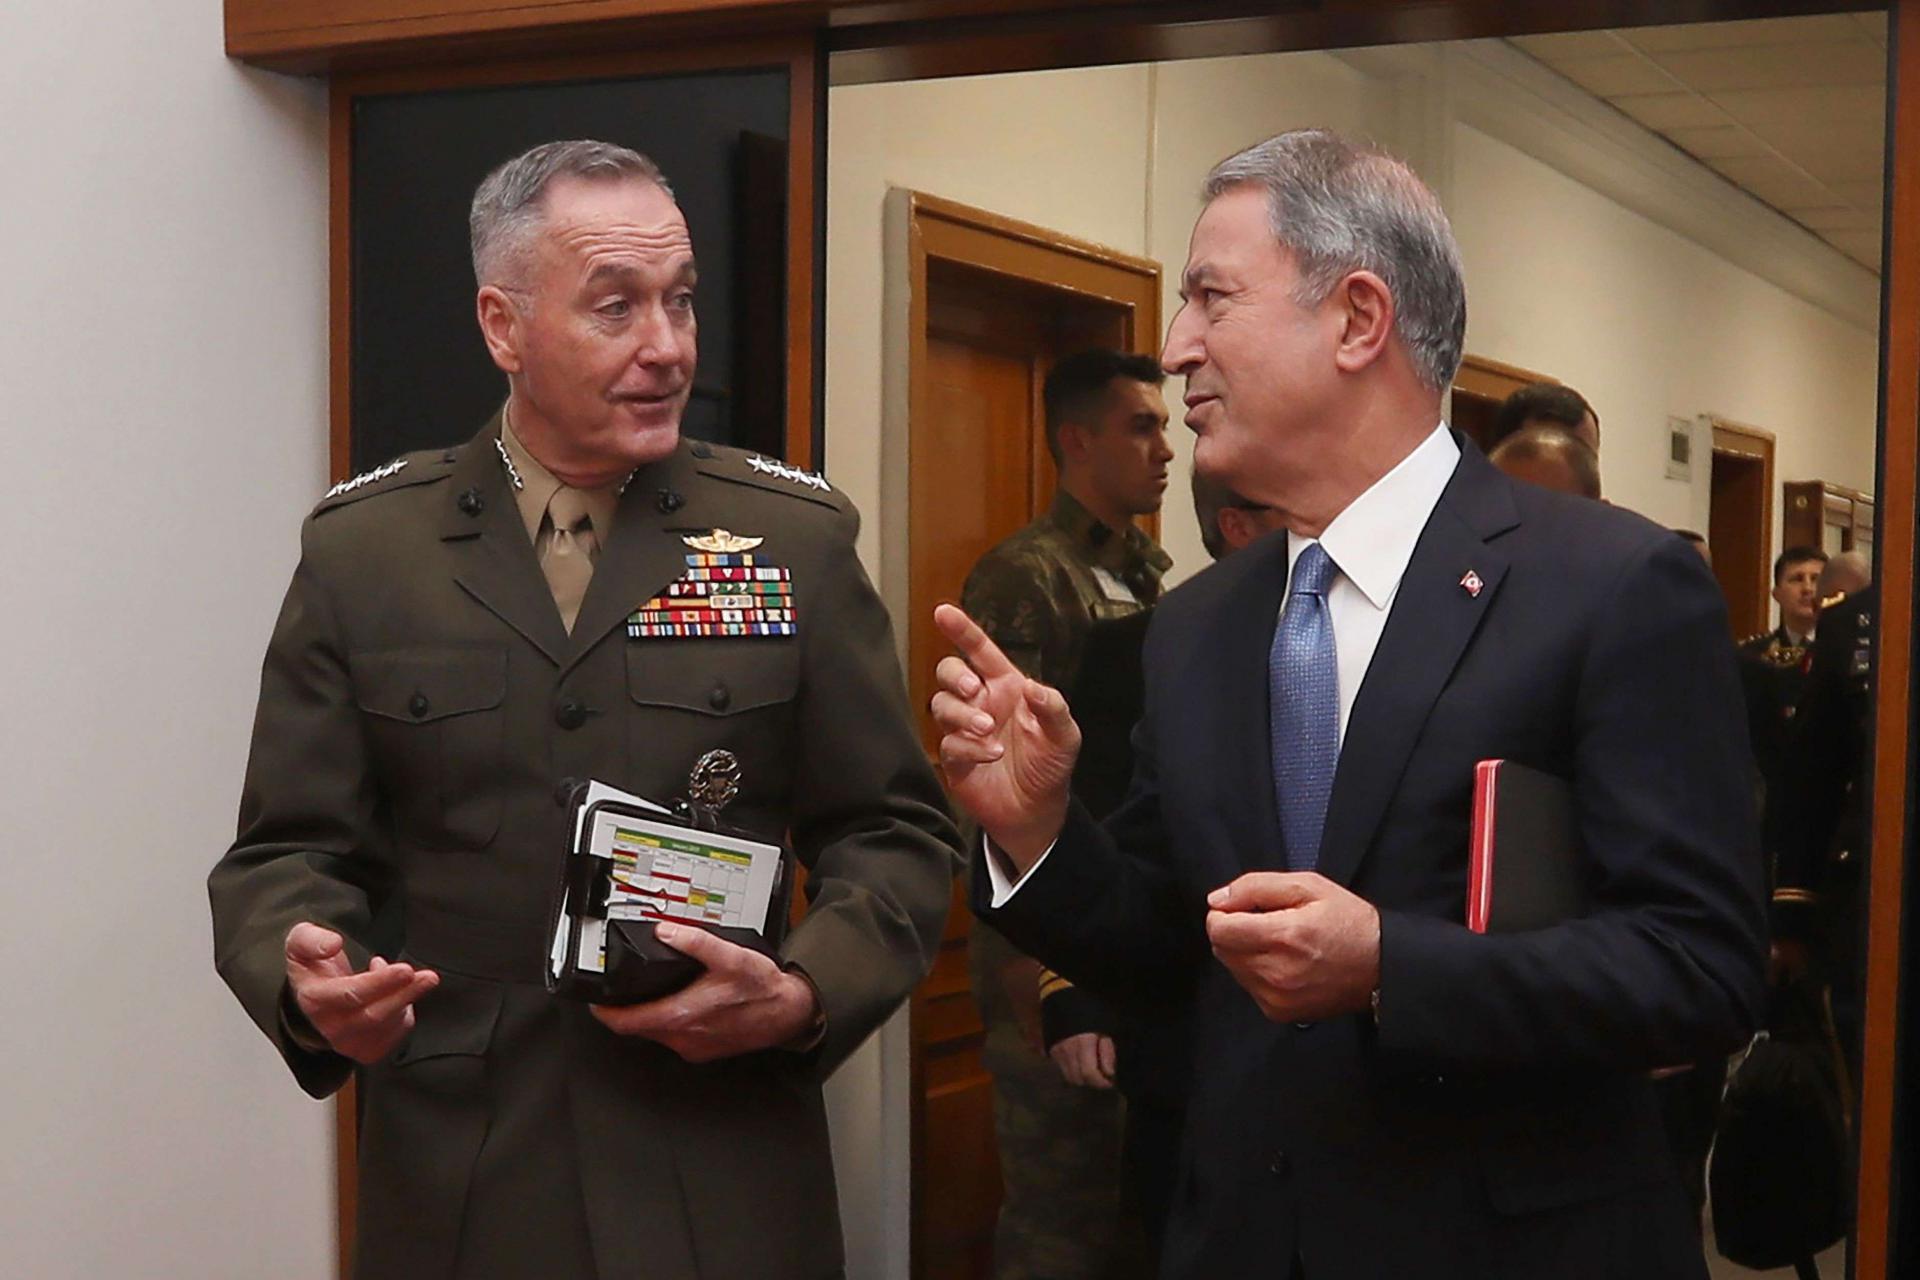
(1056, 1114)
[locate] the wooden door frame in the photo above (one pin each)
(1495, 379)
(1738, 440)
(801, 57)
(939, 230)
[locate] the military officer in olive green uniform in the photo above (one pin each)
(1038, 593)
(467, 631)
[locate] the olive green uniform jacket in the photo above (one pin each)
(420, 704)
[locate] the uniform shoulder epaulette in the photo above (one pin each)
(401, 473)
(742, 466)
(1832, 600)
(1757, 638)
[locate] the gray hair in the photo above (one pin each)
(1339, 207)
(1850, 571)
(507, 206)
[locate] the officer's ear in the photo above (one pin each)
(499, 326)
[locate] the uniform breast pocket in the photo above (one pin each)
(435, 722)
(733, 694)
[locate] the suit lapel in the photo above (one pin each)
(1434, 617)
(492, 556)
(1232, 673)
(644, 553)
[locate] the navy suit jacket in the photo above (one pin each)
(1497, 1120)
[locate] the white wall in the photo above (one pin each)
(1647, 325)
(1560, 278)
(1002, 143)
(162, 247)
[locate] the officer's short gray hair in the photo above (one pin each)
(507, 207)
(1339, 207)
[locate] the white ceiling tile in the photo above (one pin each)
(1557, 48)
(1858, 244)
(1718, 141)
(1837, 217)
(1663, 111)
(1776, 182)
(1852, 107)
(1618, 76)
(1746, 34)
(1874, 24)
(1828, 153)
(1861, 195)
(1859, 62)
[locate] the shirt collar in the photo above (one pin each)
(538, 485)
(1118, 552)
(1371, 541)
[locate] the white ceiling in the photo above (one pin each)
(1793, 110)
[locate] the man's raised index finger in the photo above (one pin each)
(981, 653)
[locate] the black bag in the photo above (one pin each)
(1780, 1177)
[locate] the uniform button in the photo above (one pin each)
(419, 705)
(1280, 1166)
(670, 502)
(450, 456)
(701, 449)
(563, 791)
(470, 502)
(570, 714)
(1303, 1026)
(720, 698)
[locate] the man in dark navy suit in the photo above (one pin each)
(1377, 1090)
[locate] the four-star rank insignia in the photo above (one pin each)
(725, 592)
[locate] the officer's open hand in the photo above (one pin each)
(1009, 743)
(1302, 946)
(743, 1002)
(362, 1015)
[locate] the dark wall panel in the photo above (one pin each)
(420, 373)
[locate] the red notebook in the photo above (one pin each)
(1525, 868)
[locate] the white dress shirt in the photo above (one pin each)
(1370, 543)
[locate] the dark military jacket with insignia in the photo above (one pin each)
(1037, 594)
(1773, 671)
(420, 703)
(1819, 837)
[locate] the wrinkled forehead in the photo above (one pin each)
(1233, 231)
(586, 221)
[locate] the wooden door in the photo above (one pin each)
(994, 305)
(1740, 523)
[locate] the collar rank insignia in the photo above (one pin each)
(1471, 584)
(721, 542)
(768, 467)
(726, 591)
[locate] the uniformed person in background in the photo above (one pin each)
(1820, 833)
(465, 633)
(1773, 664)
(1049, 1046)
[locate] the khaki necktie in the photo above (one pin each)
(568, 551)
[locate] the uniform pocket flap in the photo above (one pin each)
(423, 685)
(715, 677)
(455, 1020)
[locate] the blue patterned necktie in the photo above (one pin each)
(1303, 700)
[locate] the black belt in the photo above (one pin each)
(496, 950)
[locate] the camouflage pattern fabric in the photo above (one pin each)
(1037, 594)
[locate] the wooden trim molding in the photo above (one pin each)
(1894, 725)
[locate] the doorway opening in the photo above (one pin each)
(993, 304)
